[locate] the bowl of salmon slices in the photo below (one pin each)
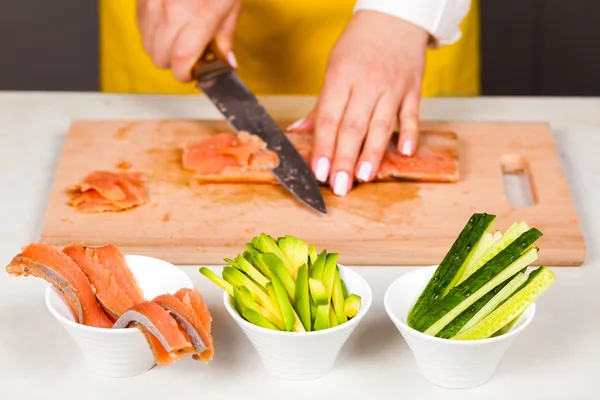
(126, 313)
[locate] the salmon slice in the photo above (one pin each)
(46, 262)
(436, 160)
(191, 322)
(158, 322)
(225, 151)
(194, 301)
(104, 191)
(116, 288)
(161, 356)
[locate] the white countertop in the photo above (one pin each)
(558, 357)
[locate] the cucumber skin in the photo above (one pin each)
(457, 323)
(490, 269)
(450, 265)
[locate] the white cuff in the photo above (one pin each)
(441, 18)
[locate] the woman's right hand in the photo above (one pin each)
(176, 32)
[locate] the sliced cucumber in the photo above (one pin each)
(516, 230)
(507, 263)
(452, 265)
(512, 286)
(457, 323)
(540, 280)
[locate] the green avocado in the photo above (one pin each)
(352, 305)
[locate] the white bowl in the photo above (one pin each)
(301, 356)
(454, 364)
(120, 352)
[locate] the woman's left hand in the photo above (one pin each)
(373, 81)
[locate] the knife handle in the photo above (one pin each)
(212, 62)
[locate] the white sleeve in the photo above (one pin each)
(441, 18)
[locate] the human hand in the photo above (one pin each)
(373, 81)
(176, 32)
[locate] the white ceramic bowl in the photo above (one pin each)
(301, 356)
(120, 352)
(454, 364)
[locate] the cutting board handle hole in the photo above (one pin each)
(517, 180)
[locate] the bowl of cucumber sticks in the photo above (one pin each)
(297, 306)
(460, 317)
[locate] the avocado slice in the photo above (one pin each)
(243, 265)
(352, 305)
(317, 268)
(267, 244)
(216, 279)
(257, 319)
(247, 301)
(287, 311)
(277, 267)
(337, 299)
(322, 318)
(303, 297)
(318, 292)
(329, 273)
(333, 322)
(295, 250)
(312, 253)
(237, 278)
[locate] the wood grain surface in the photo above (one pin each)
(388, 223)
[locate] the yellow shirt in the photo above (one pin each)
(281, 46)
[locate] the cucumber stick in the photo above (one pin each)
(500, 244)
(507, 263)
(457, 323)
(539, 281)
(512, 286)
(452, 265)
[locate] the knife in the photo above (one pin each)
(215, 77)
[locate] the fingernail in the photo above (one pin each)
(407, 148)
(322, 169)
(231, 59)
(340, 185)
(296, 124)
(364, 172)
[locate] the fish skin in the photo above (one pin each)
(188, 319)
(46, 262)
(158, 322)
(194, 300)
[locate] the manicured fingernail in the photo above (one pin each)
(322, 169)
(296, 124)
(364, 172)
(407, 148)
(231, 59)
(340, 185)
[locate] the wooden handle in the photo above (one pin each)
(211, 62)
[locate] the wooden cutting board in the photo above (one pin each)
(391, 223)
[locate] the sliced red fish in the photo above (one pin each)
(224, 151)
(194, 300)
(109, 191)
(162, 356)
(46, 262)
(187, 317)
(435, 160)
(158, 322)
(116, 288)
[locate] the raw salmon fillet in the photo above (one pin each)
(116, 288)
(244, 158)
(161, 356)
(158, 322)
(103, 191)
(190, 320)
(46, 262)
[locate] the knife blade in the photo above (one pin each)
(219, 82)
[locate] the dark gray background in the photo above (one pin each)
(529, 47)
